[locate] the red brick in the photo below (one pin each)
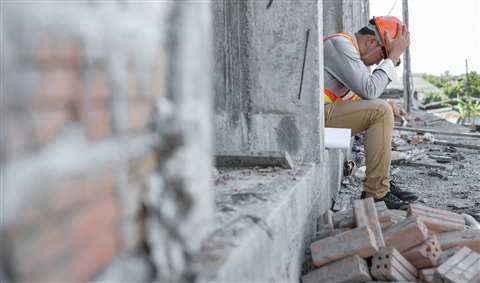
(390, 265)
(99, 91)
(91, 220)
(59, 88)
(358, 241)
(406, 234)
(71, 193)
(467, 238)
(438, 220)
(47, 124)
(98, 122)
(93, 257)
(352, 269)
(139, 115)
(366, 215)
(58, 53)
(462, 267)
(424, 255)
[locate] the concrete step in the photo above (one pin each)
(266, 219)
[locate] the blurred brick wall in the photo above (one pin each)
(89, 159)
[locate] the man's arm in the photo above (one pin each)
(343, 62)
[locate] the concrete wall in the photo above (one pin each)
(105, 145)
(259, 59)
(344, 15)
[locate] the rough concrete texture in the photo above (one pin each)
(261, 102)
(344, 15)
(159, 52)
(263, 217)
(267, 216)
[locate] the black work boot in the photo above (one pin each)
(401, 194)
(391, 201)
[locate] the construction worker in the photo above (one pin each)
(351, 94)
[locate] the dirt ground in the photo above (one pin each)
(451, 179)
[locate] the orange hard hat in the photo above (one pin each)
(387, 23)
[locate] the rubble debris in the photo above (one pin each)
(406, 234)
(441, 158)
(417, 248)
(424, 255)
(253, 159)
(359, 241)
(424, 164)
(426, 275)
(462, 267)
(435, 173)
(466, 238)
(352, 269)
(471, 221)
(390, 265)
(397, 215)
(437, 220)
(430, 131)
(366, 215)
(455, 144)
(345, 219)
(359, 173)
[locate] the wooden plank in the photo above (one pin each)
(350, 269)
(366, 215)
(437, 220)
(358, 241)
(406, 234)
(252, 159)
(466, 238)
(431, 131)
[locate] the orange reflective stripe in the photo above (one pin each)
(350, 97)
(347, 36)
(332, 97)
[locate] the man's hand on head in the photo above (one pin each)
(396, 46)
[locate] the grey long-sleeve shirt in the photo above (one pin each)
(345, 71)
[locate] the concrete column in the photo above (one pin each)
(344, 15)
(262, 103)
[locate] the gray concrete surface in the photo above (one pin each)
(266, 219)
(259, 55)
(344, 15)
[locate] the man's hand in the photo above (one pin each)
(397, 45)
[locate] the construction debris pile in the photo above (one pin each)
(371, 242)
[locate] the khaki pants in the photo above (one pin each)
(376, 118)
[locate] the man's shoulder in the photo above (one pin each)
(340, 44)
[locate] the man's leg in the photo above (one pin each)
(376, 117)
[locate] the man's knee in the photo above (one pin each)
(383, 109)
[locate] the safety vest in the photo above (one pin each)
(328, 95)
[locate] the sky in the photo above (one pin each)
(443, 33)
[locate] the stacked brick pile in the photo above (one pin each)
(371, 242)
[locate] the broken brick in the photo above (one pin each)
(426, 275)
(358, 241)
(438, 220)
(467, 238)
(462, 267)
(406, 234)
(351, 269)
(366, 215)
(424, 255)
(390, 265)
